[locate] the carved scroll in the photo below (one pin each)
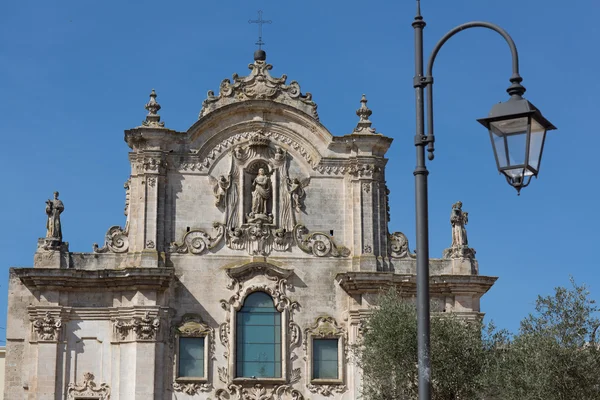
(317, 243)
(115, 241)
(399, 246)
(88, 389)
(197, 241)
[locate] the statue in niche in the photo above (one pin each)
(53, 209)
(459, 219)
(261, 193)
(296, 190)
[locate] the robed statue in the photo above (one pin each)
(459, 219)
(261, 193)
(54, 208)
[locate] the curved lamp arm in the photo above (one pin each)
(515, 89)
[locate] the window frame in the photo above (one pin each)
(284, 343)
(192, 327)
(325, 327)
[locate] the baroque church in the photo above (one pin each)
(254, 246)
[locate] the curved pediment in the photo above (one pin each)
(259, 85)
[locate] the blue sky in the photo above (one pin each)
(75, 74)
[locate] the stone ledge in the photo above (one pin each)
(107, 279)
(374, 282)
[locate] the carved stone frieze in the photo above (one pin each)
(191, 388)
(326, 390)
(48, 327)
(197, 241)
(317, 243)
(259, 392)
(259, 85)
(398, 243)
(115, 241)
(88, 389)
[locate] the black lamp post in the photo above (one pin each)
(517, 130)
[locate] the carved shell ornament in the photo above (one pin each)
(259, 85)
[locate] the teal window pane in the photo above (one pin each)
(191, 357)
(258, 338)
(325, 359)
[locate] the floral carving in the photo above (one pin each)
(259, 392)
(152, 181)
(48, 327)
(317, 243)
(150, 244)
(88, 389)
(197, 241)
(115, 241)
(367, 249)
(191, 388)
(326, 390)
(366, 187)
(399, 246)
(259, 85)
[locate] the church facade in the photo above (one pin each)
(254, 246)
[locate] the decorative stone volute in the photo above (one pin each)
(259, 85)
(153, 119)
(364, 124)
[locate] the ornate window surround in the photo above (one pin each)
(325, 327)
(290, 331)
(192, 326)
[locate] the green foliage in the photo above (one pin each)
(553, 356)
(388, 354)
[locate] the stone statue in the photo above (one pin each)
(458, 219)
(261, 193)
(53, 209)
(296, 190)
(220, 188)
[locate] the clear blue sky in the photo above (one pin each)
(75, 74)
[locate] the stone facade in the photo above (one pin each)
(257, 196)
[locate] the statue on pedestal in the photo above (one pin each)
(460, 245)
(53, 209)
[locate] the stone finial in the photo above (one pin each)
(364, 124)
(153, 119)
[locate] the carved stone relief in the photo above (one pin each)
(88, 389)
(115, 241)
(145, 328)
(259, 85)
(191, 388)
(48, 327)
(317, 243)
(259, 392)
(398, 243)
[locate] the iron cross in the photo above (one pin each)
(260, 23)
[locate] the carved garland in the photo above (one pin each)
(258, 392)
(88, 389)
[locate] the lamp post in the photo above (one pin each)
(517, 130)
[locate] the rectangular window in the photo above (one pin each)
(191, 357)
(325, 359)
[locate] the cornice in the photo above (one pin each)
(106, 279)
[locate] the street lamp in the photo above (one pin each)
(517, 131)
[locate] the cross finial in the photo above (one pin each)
(260, 23)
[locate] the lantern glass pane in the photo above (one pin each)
(538, 134)
(510, 140)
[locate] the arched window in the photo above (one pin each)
(258, 338)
